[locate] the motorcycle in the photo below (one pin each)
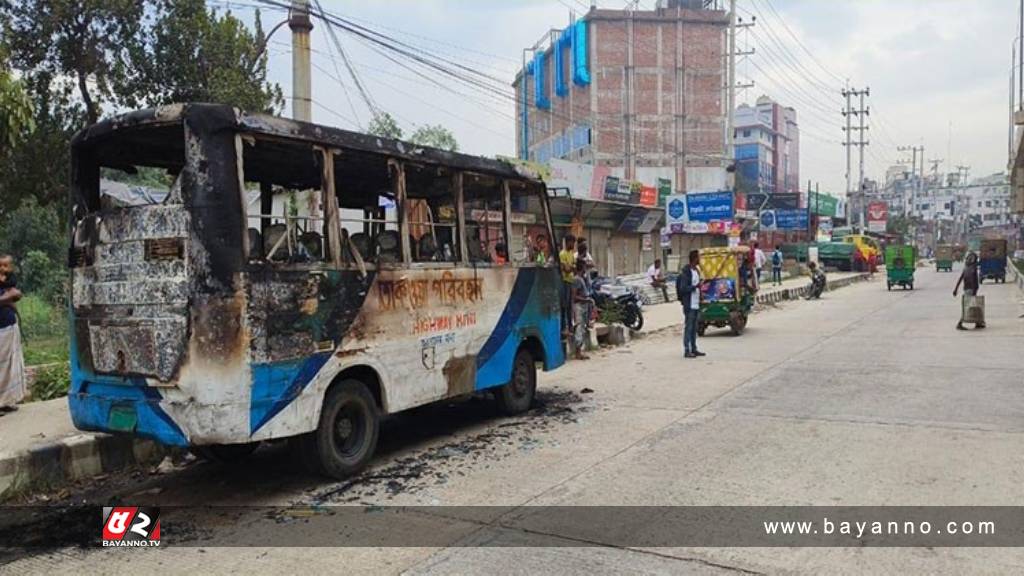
(610, 296)
(818, 282)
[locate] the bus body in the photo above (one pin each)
(296, 281)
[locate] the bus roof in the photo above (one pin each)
(219, 116)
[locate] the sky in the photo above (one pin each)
(938, 71)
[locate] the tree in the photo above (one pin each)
(194, 54)
(15, 108)
(436, 137)
(385, 126)
(78, 39)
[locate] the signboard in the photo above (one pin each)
(824, 229)
(760, 201)
(641, 220)
(878, 216)
(705, 207)
(648, 196)
(699, 213)
(784, 220)
(675, 212)
(664, 190)
(617, 190)
(647, 243)
(825, 205)
(666, 237)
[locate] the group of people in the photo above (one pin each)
(578, 304)
(12, 362)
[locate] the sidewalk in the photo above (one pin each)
(41, 448)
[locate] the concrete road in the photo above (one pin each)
(866, 397)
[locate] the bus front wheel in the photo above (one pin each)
(346, 438)
(516, 397)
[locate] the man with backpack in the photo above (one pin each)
(777, 266)
(688, 291)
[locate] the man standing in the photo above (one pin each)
(777, 266)
(581, 304)
(688, 291)
(567, 262)
(12, 363)
(759, 262)
(971, 281)
(656, 276)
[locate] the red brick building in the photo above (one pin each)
(642, 92)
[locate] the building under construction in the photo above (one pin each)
(638, 90)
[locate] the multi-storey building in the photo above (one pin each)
(767, 148)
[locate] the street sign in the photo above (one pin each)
(784, 220)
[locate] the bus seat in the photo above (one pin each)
(313, 242)
(274, 233)
(361, 242)
(427, 248)
(255, 243)
(389, 246)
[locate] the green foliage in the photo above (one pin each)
(52, 382)
(81, 40)
(194, 54)
(385, 126)
(15, 108)
(43, 276)
(38, 166)
(40, 320)
(611, 314)
(32, 227)
(436, 137)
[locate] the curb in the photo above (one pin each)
(74, 458)
(777, 296)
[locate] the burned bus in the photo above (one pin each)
(239, 278)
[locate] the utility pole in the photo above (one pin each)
(918, 177)
(730, 129)
(862, 113)
(302, 78)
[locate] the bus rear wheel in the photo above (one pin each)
(516, 397)
(346, 438)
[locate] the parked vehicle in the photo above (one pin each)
(725, 295)
(992, 261)
(944, 258)
(297, 282)
(900, 261)
(623, 299)
(838, 255)
(868, 252)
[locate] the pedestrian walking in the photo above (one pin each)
(582, 303)
(688, 291)
(777, 266)
(759, 261)
(971, 282)
(656, 276)
(567, 263)
(12, 361)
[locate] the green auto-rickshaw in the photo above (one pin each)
(726, 292)
(900, 261)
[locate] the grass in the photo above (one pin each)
(45, 350)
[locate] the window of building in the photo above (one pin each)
(746, 133)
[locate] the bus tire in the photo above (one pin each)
(346, 438)
(516, 397)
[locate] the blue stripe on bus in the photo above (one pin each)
(92, 397)
(277, 384)
(522, 290)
